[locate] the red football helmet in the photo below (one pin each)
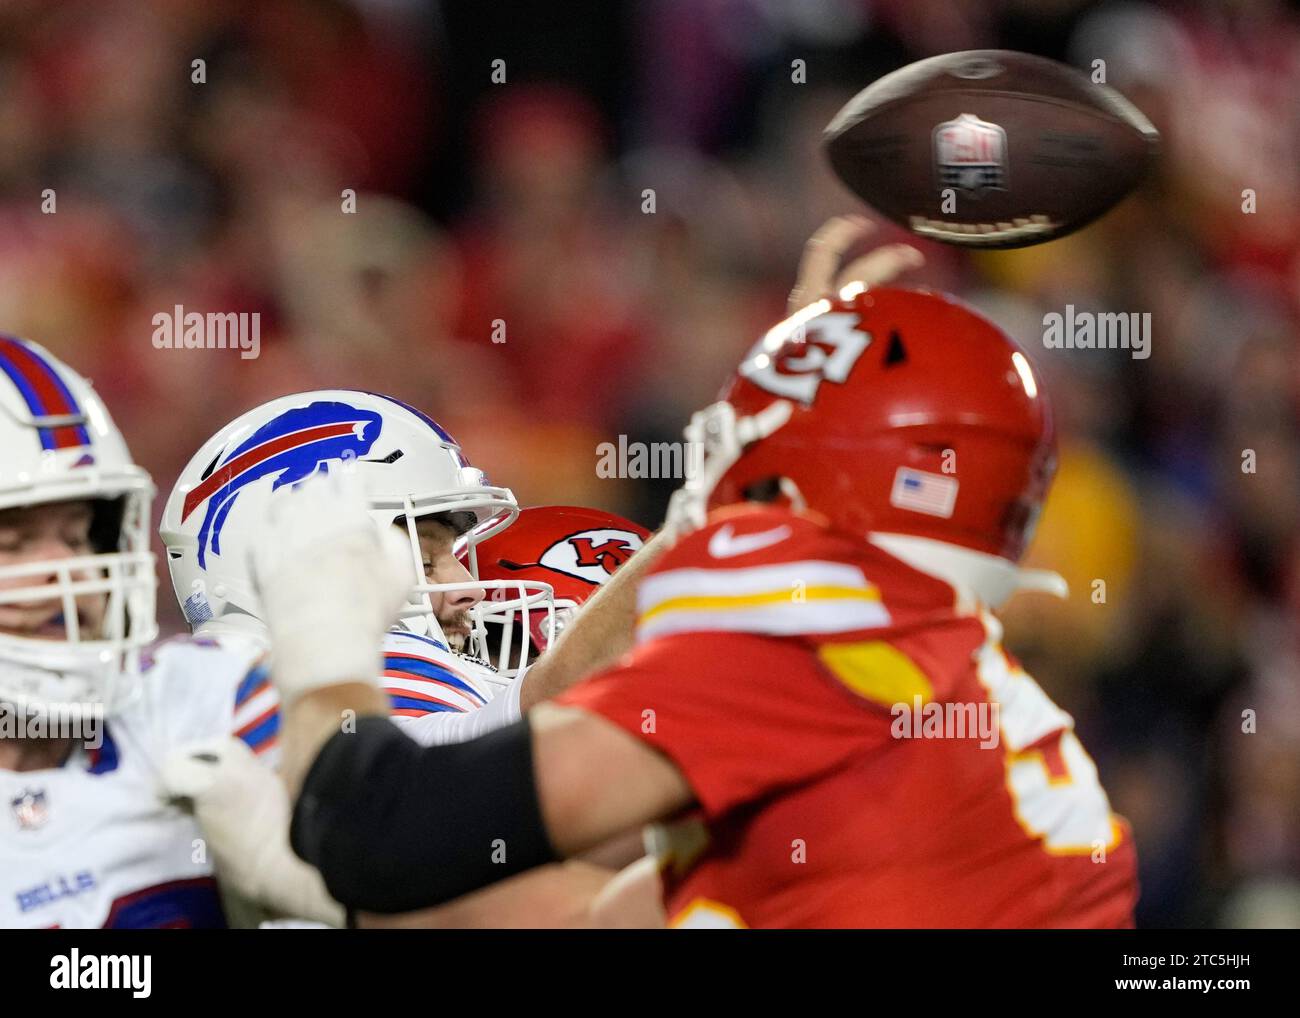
(896, 411)
(569, 549)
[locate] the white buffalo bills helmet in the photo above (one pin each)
(58, 444)
(408, 465)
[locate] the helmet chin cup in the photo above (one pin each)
(417, 616)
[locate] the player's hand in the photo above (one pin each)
(242, 809)
(821, 269)
(330, 582)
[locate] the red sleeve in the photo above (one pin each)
(740, 715)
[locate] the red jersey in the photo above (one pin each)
(862, 750)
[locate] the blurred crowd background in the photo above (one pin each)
(524, 202)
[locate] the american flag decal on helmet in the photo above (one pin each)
(922, 492)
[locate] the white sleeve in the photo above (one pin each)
(446, 727)
(191, 688)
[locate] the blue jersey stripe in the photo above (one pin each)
(411, 703)
(188, 904)
(418, 668)
(104, 758)
(249, 686)
(263, 733)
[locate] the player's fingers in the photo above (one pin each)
(822, 256)
(881, 265)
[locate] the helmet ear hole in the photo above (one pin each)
(773, 490)
(895, 353)
(765, 491)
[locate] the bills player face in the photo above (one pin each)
(48, 534)
(437, 536)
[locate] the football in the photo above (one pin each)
(990, 148)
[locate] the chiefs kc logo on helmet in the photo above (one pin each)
(608, 555)
(794, 358)
(591, 555)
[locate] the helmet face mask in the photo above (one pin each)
(57, 446)
(96, 661)
(722, 437)
(504, 627)
(474, 513)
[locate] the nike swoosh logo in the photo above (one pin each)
(726, 544)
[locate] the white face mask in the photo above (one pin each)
(510, 609)
(95, 670)
(720, 436)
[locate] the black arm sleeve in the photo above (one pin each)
(394, 826)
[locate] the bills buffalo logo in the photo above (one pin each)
(292, 446)
(794, 358)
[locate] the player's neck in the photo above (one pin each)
(34, 754)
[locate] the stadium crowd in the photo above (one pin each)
(582, 250)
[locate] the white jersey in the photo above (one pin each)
(437, 696)
(91, 843)
(440, 697)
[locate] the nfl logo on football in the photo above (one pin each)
(971, 154)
